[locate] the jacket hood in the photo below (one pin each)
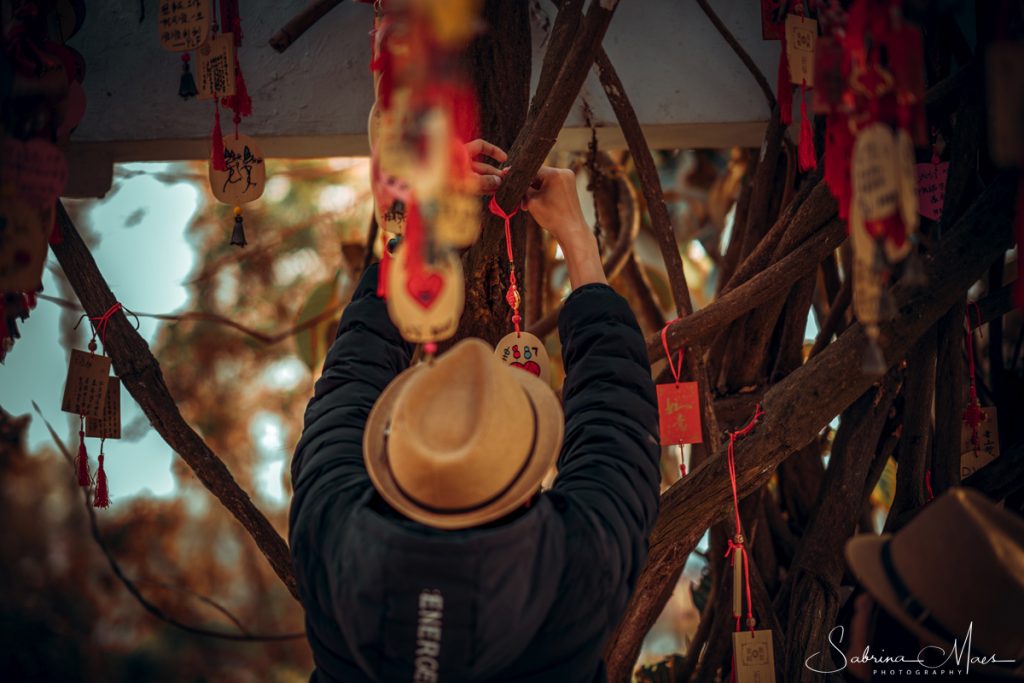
(421, 604)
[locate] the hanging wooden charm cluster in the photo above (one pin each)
(869, 82)
(237, 171)
(95, 397)
(424, 113)
(43, 102)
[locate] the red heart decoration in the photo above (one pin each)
(425, 288)
(529, 366)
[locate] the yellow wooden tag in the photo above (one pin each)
(425, 306)
(975, 456)
(457, 219)
(215, 67)
(183, 24)
(525, 351)
(753, 657)
(801, 37)
(109, 425)
(876, 182)
(244, 173)
(85, 392)
(737, 581)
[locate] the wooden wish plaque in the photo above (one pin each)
(524, 351)
(215, 67)
(183, 25)
(753, 656)
(85, 392)
(425, 306)
(109, 425)
(244, 174)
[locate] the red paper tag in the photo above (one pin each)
(773, 19)
(679, 413)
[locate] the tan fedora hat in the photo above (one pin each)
(959, 562)
(462, 441)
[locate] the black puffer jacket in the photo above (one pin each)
(533, 598)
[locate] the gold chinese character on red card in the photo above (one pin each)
(679, 413)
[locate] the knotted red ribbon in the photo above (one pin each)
(737, 543)
(676, 369)
(101, 322)
(512, 295)
(973, 414)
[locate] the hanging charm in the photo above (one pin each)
(801, 38)
(979, 430)
(215, 67)
(931, 186)
(107, 425)
(187, 84)
(678, 403)
(240, 181)
(85, 390)
(526, 351)
(753, 656)
(425, 303)
(183, 26)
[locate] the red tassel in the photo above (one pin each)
(217, 143)
(102, 497)
(785, 88)
(838, 153)
(1019, 225)
(240, 102)
(382, 273)
(231, 20)
(83, 461)
(806, 155)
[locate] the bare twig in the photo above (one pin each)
(301, 23)
(217, 319)
(754, 70)
(139, 371)
(799, 406)
(132, 586)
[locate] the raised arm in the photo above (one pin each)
(609, 460)
(328, 474)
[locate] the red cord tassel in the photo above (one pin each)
(217, 143)
(240, 102)
(382, 274)
(806, 155)
(785, 88)
(838, 153)
(83, 461)
(231, 20)
(102, 497)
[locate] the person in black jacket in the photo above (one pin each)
(532, 596)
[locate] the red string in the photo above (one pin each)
(972, 415)
(678, 367)
(738, 542)
(102, 321)
(512, 296)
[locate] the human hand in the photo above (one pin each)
(554, 204)
(486, 179)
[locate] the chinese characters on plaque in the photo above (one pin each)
(183, 25)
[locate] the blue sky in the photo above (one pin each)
(145, 261)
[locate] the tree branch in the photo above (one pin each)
(132, 586)
(799, 406)
(754, 70)
(139, 371)
(301, 23)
